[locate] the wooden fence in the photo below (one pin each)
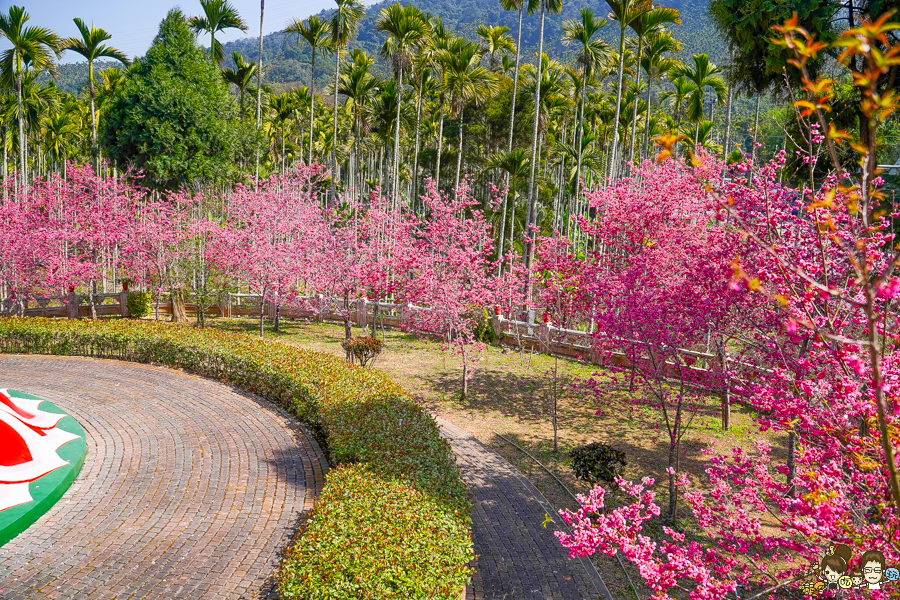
(524, 335)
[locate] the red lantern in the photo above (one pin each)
(124, 286)
(546, 317)
(497, 310)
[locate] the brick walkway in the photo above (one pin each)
(517, 558)
(190, 488)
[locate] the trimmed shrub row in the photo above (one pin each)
(394, 525)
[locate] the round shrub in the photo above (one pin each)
(138, 304)
(597, 462)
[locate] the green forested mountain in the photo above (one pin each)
(287, 65)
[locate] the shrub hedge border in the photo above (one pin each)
(364, 417)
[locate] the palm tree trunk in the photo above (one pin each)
(460, 150)
(21, 127)
(395, 180)
(440, 146)
(334, 138)
(500, 240)
(532, 198)
(613, 150)
(93, 116)
(512, 109)
(637, 81)
(755, 127)
(727, 145)
(579, 135)
(415, 173)
(646, 149)
(312, 102)
(259, 71)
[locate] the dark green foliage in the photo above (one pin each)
(362, 349)
(747, 26)
(169, 118)
(484, 331)
(597, 462)
(138, 304)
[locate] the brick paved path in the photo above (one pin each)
(190, 488)
(517, 558)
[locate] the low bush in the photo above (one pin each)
(597, 462)
(416, 557)
(362, 349)
(138, 304)
(366, 419)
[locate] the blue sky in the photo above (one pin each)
(133, 24)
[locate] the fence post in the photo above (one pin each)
(497, 323)
(319, 316)
(361, 312)
(72, 306)
(123, 303)
(544, 335)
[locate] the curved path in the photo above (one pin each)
(190, 488)
(517, 558)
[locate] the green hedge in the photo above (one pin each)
(399, 522)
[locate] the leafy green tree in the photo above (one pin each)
(218, 15)
(169, 118)
(90, 45)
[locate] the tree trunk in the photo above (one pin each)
(792, 461)
(262, 313)
(465, 381)
(645, 151)
(637, 81)
(512, 109)
(460, 151)
(259, 72)
(178, 313)
(440, 145)
(727, 147)
(334, 138)
(613, 150)
(312, 102)
(755, 128)
(348, 333)
(415, 173)
(395, 180)
(528, 236)
(579, 135)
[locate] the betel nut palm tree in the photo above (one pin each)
(406, 27)
(593, 52)
(218, 15)
(33, 47)
(648, 22)
(553, 7)
(315, 32)
(465, 80)
(703, 74)
(343, 24)
(494, 39)
(90, 45)
(241, 75)
(623, 12)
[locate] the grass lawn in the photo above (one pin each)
(509, 395)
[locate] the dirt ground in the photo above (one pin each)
(510, 398)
